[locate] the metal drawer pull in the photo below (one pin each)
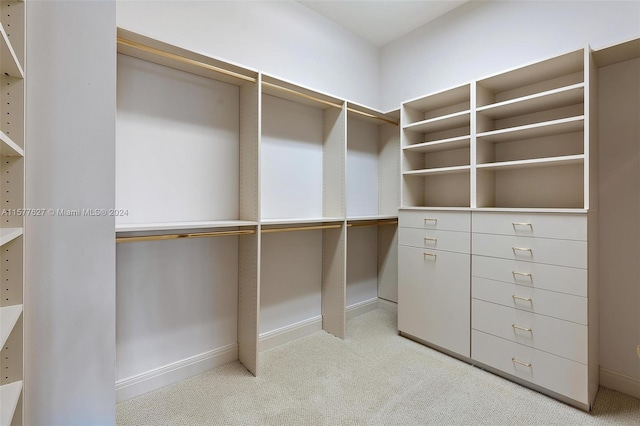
(431, 239)
(523, 274)
(526, 364)
(521, 249)
(431, 219)
(520, 328)
(526, 299)
(522, 224)
(429, 254)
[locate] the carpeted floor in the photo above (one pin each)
(374, 377)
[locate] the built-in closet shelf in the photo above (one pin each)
(564, 96)
(9, 64)
(438, 171)
(8, 317)
(445, 122)
(301, 220)
(440, 145)
(9, 234)
(9, 397)
(619, 52)
(370, 218)
(8, 147)
(536, 162)
(179, 226)
(498, 209)
(537, 130)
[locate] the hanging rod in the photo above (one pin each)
(300, 228)
(182, 59)
(302, 95)
(366, 114)
(373, 223)
(180, 236)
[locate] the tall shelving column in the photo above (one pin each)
(12, 48)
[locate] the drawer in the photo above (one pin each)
(539, 250)
(534, 275)
(433, 297)
(551, 372)
(435, 219)
(550, 303)
(562, 338)
(560, 226)
(435, 239)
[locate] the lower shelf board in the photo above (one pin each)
(8, 317)
(9, 397)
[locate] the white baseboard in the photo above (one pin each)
(388, 305)
(174, 372)
(362, 308)
(285, 334)
(620, 382)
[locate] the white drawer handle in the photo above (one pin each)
(526, 299)
(526, 364)
(517, 327)
(430, 219)
(430, 255)
(522, 274)
(515, 249)
(515, 224)
(435, 240)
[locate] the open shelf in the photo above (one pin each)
(617, 53)
(9, 397)
(8, 147)
(180, 226)
(8, 317)
(438, 124)
(438, 171)
(551, 99)
(301, 221)
(9, 63)
(9, 234)
(354, 219)
(440, 145)
(561, 126)
(536, 162)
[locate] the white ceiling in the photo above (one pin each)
(382, 21)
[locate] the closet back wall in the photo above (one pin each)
(280, 38)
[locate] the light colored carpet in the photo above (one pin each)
(374, 377)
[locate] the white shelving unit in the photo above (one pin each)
(12, 153)
(210, 149)
(520, 181)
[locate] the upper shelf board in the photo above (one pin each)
(440, 145)
(538, 130)
(9, 64)
(536, 162)
(180, 226)
(441, 99)
(8, 147)
(292, 92)
(9, 234)
(564, 96)
(445, 122)
(619, 52)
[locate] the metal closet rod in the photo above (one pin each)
(374, 223)
(182, 59)
(181, 236)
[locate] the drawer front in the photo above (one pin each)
(557, 305)
(567, 226)
(557, 374)
(435, 239)
(435, 219)
(539, 250)
(562, 338)
(433, 297)
(535, 275)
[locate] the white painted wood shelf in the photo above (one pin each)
(182, 226)
(440, 145)
(537, 130)
(9, 63)
(9, 397)
(9, 315)
(9, 234)
(301, 221)
(8, 147)
(536, 162)
(437, 124)
(370, 218)
(438, 171)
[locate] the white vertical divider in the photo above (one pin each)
(473, 148)
(249, 245)
(334, 241)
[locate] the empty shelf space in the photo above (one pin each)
(301, 221)
(8, 147)
(530, 131)
(440, 145)
(564, 96)
(537, 162)
(8, 317)
(9, 397)
(179, 226)
(9, 64)
(438, 171)
(9, 234)
(445, 122)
